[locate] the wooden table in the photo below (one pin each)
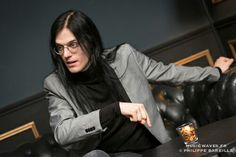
(220, 133)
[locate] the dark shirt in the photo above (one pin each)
(121, 134)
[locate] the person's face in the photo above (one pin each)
(75, 59)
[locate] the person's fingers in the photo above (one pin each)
(223, 63)
(149, 122)
(145, 116)
(131, 119)
(139, 116)
(228, 60)
(135, 112)
(228, 63)
(135, 116)
(143, 120)
(231, 61)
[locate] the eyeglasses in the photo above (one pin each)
(71, 46)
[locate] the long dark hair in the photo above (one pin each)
(89, 40)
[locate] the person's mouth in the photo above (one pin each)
(71, 63)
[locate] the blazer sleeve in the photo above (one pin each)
(157, 71)
(68, 126)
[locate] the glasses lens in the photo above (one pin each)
(56, 51)
(72, 47)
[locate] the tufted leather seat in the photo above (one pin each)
(172, 107)
(210, 102)
(44, 147)
(200, 103)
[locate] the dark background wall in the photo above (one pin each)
(25, 25)
(166, 30)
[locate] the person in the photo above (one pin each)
(100, 103)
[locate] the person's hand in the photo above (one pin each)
(223, 63)
(135, 112)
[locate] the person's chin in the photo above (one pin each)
(74, 70)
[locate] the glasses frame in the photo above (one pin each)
(68, 47)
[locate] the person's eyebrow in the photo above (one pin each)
(74, 40)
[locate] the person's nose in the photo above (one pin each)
(66, 52)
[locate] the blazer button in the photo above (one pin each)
(90, 129)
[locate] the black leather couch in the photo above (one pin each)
(44, 147)
(200, 103)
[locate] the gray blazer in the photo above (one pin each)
(75, 130)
